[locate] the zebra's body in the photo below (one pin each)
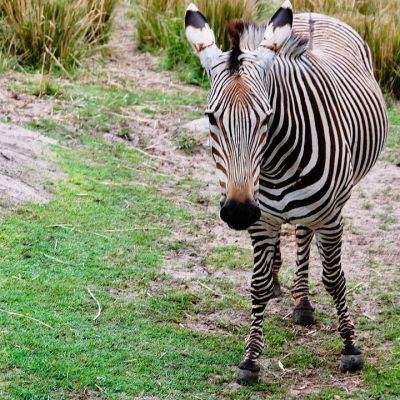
(327, 90)
(296, 120)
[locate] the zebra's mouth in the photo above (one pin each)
(239, 227)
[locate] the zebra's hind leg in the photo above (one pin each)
(276, 267)
(303, 313)
(264, 238)
(329, 241)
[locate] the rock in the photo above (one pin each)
(198, 125)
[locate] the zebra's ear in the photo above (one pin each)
(201, 36)
(279, 28)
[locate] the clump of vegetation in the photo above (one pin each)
(159, 26)
(53, 33)
(377, 21)
(186, 142)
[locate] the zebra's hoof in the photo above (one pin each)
(247, 377)
(248, 372)
(303, 313)
(351, 362)
(277, 290)
(351, 359)
(303, 317)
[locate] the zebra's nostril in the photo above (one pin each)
(240, 216)
(225, 212)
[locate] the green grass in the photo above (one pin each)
(87, 238)
(108, 228)
(229, 257)
(392, 152)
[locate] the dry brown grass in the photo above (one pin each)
(378, 22)
(48, 33)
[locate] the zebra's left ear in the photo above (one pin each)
(201, 36)
(279, 28)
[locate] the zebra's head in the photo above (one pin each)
(238, 104)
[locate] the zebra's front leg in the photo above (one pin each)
(264, 239)
(303, 313)
(329, 241)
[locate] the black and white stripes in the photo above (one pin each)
(296, 120)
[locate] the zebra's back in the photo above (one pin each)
(339, 49)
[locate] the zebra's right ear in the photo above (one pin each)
(201, 36)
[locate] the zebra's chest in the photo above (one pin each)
(306, 199)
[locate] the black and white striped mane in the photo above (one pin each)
(246, 36)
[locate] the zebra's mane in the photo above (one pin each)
(246, 36)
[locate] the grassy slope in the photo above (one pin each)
(95, 234)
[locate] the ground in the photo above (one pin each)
(127, 285)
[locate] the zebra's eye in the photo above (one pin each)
(211, 118)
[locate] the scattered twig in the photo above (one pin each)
(97, 302)
(60, 226)
(288, 314)
(99, 387)
(281, 366)
(286, 356)
(188, 316)
(129, 183)
(355, 287)
(152, 155)
(311, 332)
(99, 234)
(369, 317)
(27, 317)
(5, 156)
(54, 259)
(139, 228)
(208, 288)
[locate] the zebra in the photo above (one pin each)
(296, 119)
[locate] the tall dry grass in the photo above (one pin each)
(378, 22)
(159, 26)
(48, 33)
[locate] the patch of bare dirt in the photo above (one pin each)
(18, 107)
(25, 167)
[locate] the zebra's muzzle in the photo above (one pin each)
(240, 215)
